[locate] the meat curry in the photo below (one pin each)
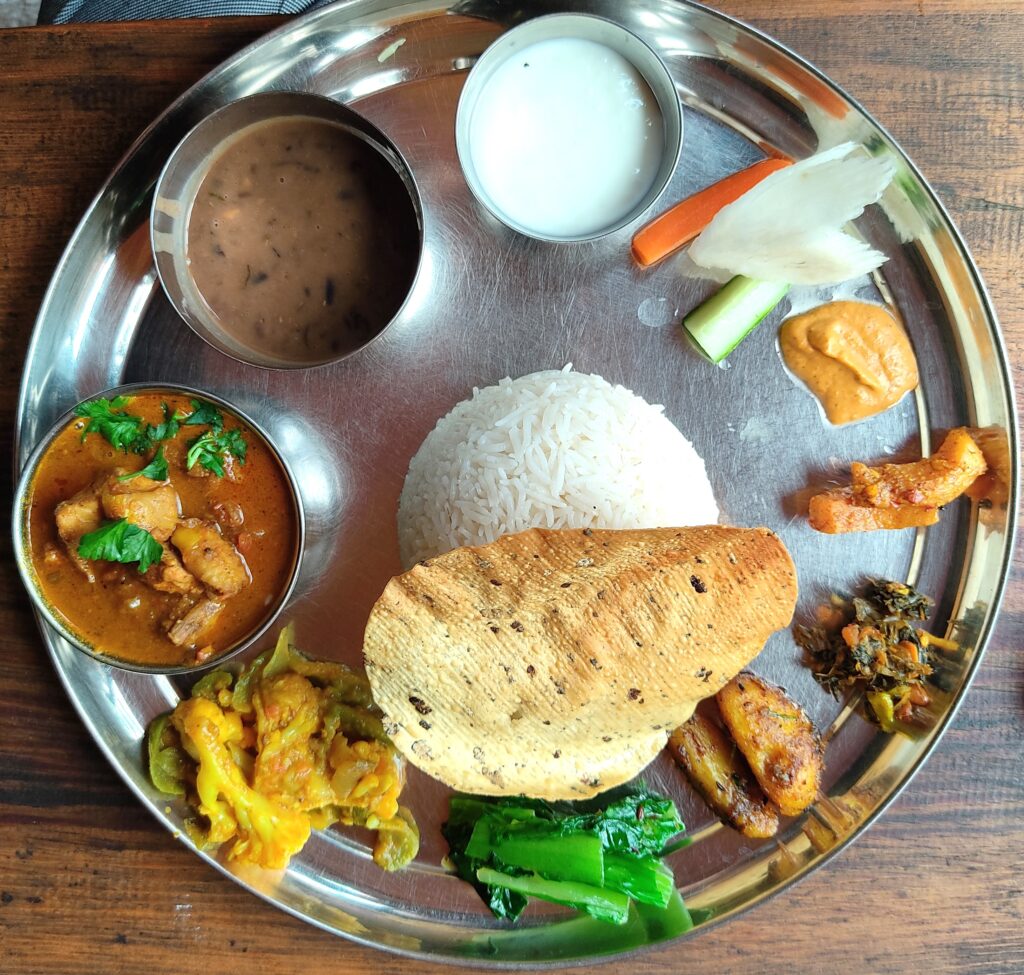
(161, 530)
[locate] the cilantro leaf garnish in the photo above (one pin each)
(168, 428)
(134, 435)
(125, 431)
(211, 449)
(156, 469)
(107, 418)
(121, 541)
(204, 414)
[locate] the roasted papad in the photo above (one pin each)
(555, 663)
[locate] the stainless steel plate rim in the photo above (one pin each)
(342, 16)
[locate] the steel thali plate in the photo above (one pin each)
(489, 304)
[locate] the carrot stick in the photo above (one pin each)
(688, 218)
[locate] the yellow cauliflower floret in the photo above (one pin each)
(290, 764)
(271, 759)
(267, 833)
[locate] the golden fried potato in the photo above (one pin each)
(776, 737)
(717, 770)
(927, 483)
(900, 495)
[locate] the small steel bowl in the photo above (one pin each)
(179, 183)
(583, 27)
(22, 544)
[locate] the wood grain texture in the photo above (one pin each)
(90, 883)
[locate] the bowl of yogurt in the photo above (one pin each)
(568, 128)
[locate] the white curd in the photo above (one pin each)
(566, 138)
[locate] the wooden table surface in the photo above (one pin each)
(89, 882)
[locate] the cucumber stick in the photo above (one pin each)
(730, 315)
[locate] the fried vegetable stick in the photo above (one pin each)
(900, 495)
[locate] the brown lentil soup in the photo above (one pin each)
(302, 240)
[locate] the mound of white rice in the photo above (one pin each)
(555, 449)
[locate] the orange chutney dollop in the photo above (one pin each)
(855, 358)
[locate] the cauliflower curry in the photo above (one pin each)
(288, 745)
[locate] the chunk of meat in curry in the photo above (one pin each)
(152, 505)
(170, 575)
(189, 630)
(77, 516)
(210, 557)
(199, 564)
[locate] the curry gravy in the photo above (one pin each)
(302, 240)
(119, 614)
(853, 356)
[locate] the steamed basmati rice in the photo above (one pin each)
(554, 449)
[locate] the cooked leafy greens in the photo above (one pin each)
(121, 541)
(592, 858)
(877, 649)
(156, 469)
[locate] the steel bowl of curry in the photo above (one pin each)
(158, 528)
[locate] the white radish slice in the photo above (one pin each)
(788, 227)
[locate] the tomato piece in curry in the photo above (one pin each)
(229, 543)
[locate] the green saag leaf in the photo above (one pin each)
(464, 811)
(121, 541)
(155, 470)
(210, 449)
(640, 823)
(511, 848)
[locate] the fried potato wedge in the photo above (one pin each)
(776, 737)
(716, 769)
(900, 495)
(929, 483)
(837, 512)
